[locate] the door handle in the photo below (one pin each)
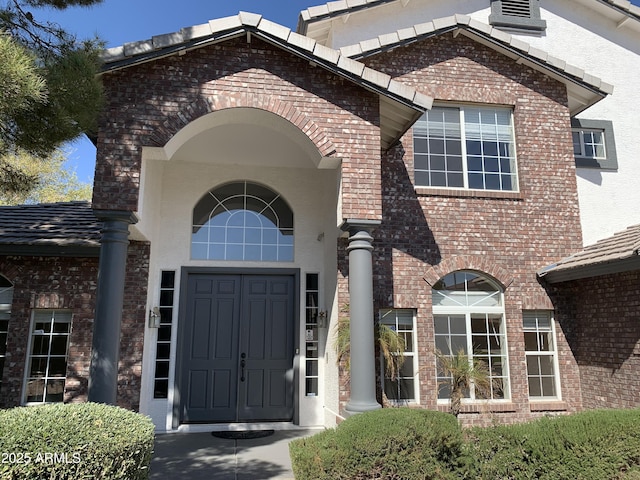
(242, 365)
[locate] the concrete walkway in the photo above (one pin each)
(200, 456)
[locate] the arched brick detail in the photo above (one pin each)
(469, 262)
(206, 105)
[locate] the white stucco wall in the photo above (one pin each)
(581, 36)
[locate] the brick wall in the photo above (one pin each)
(70, 283)
(426, 234)
(601, 316)
(148, 104)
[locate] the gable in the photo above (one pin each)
(400, 105)
(318, 21)
(583, 89)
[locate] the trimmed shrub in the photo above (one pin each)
(393, 443)
(76, 441)
(592, 445)
(407, 444)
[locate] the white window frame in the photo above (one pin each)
(551, 352)
(389, 317)
(476, 309)
(462, 109)
(35, 318)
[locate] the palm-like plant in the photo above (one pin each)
(463, 374)
(389, 342)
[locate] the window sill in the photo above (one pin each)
(452, 192)
(547, 405)
(482, 407)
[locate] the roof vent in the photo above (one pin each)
(517, 14)
(516, 8)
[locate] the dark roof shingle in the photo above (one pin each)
(48, 227)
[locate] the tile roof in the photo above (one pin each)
(343, 7)
(49, 228)
(409, 103)
(615, 254)
(587, 86)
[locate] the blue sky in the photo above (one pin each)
(120, 21)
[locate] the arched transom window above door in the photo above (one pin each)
(242, 221)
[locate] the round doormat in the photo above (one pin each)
(243, 434)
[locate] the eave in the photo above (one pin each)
(400, 105)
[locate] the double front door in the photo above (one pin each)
(237, 349)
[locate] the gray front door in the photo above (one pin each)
(237, 349)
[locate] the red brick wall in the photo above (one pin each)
(70, 283)
(602, 320)
(148, 104)
(426, 234)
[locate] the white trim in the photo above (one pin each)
(552, 353)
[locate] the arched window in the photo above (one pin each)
(468, 313)
(242, 221)
(6, 297)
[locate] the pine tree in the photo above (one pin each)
(52, 92)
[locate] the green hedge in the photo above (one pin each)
(592, 445)
(76, 441)
(407, 444)
(393, 443)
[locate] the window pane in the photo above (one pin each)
(530, 341)
(438, 179)
(161, 389)
(407, 391)
(548, 386)
(546, 365)
(458, 324)
(455, 180)
(163, 350)
(57, 367)
(61, 327)
(162, 369)
(38, 367)
(238, 219)
(55, 391)
(167, 279)
(475, 181)
(535, 388)
(40, 345)
(35, 390)
(492, 182)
